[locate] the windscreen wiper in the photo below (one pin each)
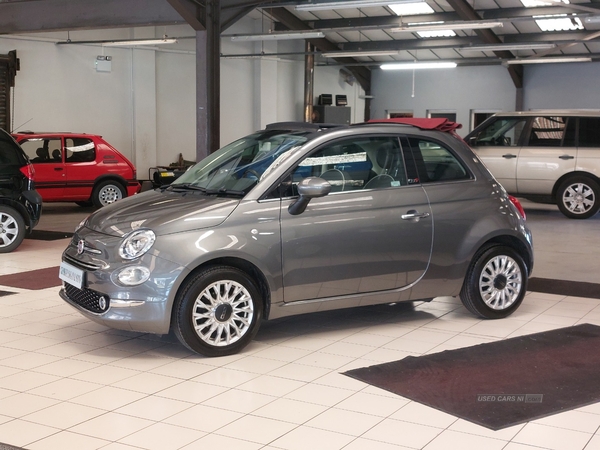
(220, 191)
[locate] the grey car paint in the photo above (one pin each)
(346, 249)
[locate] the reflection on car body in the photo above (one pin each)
(299, 218)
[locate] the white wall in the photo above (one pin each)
(462, 89)
(552, 86)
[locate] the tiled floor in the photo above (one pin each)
(67, 383)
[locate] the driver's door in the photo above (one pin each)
(355, 240)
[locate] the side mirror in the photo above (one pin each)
(309, 188)
(472, 141)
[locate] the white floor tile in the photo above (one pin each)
(304, 437)
(261, 430)
(162, 436)
(452, 439)
(551, 437)
(402, 433)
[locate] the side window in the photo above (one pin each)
(80, 150)
(589, 132)
(358, 163)
(435, 162)
(41, 151)
(551, 132)
(504, 131)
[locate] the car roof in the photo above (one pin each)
(427, 124)
(51, 133)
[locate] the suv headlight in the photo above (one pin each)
(136, 244)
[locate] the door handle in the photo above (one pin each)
(58, 168)
(565, 157)
(509, 156)
(414, 215)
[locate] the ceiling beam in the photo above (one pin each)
(58, 15)
(395, 21)
(190, 11)
(466, 12)
(362, 74)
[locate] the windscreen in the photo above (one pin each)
(240, 165)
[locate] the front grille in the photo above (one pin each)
(81, 264)
(88, 299)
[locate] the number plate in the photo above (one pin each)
(72, 275)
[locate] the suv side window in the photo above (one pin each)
(504, 131)
(589, 132)
(552, 132)
(435, 162)
(80, 150)
(42, 151)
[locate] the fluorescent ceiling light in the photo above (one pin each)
(418, 65)
(276, 36)
(500, 47)
(349, 4)
(350, 54)
(432, 26)
(535, 3)
(411, 9)
(568, 59)
(436, 33)
(558, 22)
(140, 42)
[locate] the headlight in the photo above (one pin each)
(136, 244)
(133, 275)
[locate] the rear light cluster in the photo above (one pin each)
(518, 205)
(28, 171)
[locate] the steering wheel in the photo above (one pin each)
(252, 172)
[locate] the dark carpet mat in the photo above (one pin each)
(4, 294)
(502, 383)
(9, 447)
(42, 235)
(34, 279)
(563, 287)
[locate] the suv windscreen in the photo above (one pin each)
(240, 165)
(503, 131)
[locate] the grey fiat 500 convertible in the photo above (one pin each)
(299, 218)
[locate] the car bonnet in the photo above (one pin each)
(163, 212)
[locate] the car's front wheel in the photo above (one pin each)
(578, 197)
(217, 311)
(12, 229)
(107, 192)
(495, 283)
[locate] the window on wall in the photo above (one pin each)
(397, 114)
(438, 114)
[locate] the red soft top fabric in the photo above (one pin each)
(440, 124)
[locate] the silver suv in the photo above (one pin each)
(548, 156)
(299, 218)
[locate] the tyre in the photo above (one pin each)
(496, 282)
(578, 197)
(12, 229)
(218, 311)
(107, 192)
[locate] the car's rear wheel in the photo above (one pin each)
(107, 192)
(218, 311)
(12, 229)
(578, 197)
(496, 282)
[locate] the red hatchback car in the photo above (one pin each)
(81, 168)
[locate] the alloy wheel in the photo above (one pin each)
(500, 282)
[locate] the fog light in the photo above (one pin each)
(133, 275)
